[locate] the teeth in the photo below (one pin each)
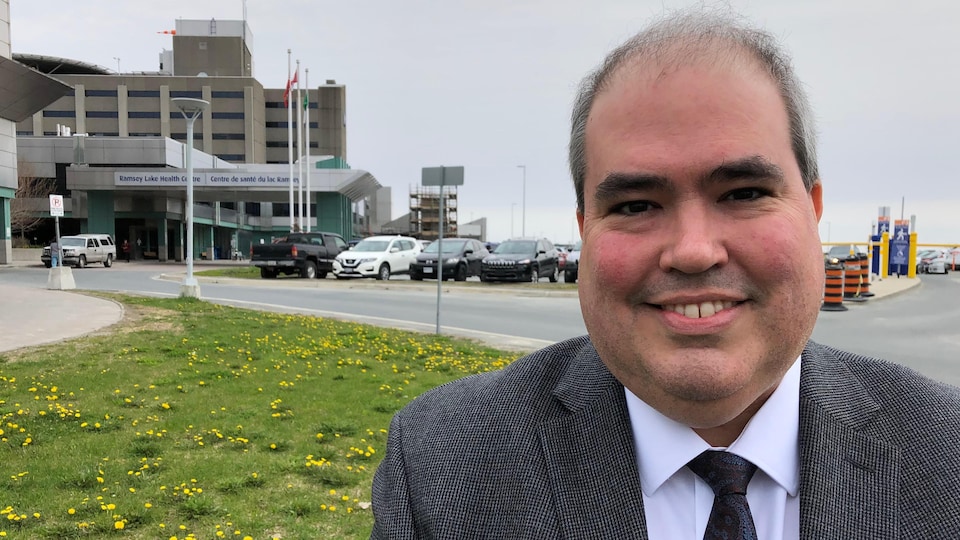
(697, 311)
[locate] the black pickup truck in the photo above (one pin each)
(308, 254)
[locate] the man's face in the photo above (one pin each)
(701, 273)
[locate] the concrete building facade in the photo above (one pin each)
(127, 122)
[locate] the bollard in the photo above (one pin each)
(851, 280)
(864, 275)
(833, 289)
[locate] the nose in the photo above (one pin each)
(693, 241)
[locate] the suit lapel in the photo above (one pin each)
(849, 480)
(590, 455)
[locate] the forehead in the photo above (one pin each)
(708, 109)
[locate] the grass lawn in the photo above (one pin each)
(194, 420)
(252, 272)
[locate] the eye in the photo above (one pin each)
(634, 207)
(745, 194)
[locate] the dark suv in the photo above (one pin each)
(522, 259)
(461, 259)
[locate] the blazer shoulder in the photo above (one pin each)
(528, 380)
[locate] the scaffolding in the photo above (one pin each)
(425, 211)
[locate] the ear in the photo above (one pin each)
(816, 197)
(580, 223)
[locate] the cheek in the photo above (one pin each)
(615, 260)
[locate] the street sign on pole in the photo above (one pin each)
(56, 205)
(441, 176)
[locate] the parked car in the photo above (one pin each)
(462, 258)
(309, 255)
(80, 249)
(521, 259)
(933, 261)
(838, 254)
(377, 256)
(571, 271)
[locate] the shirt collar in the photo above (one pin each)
(770, 439)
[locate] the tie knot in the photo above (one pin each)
(724, 472)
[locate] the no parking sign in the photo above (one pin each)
(56, 205)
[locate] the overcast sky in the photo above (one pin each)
(488, 85)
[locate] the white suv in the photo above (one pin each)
(377, 256)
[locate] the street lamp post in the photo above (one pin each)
(523, 212)
(191, 108)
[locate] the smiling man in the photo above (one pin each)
(696, 407)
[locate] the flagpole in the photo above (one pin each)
(289, 134)
(306, 82)
(299, 150)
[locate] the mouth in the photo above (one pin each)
(700, 310)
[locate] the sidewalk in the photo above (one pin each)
(31, 316)
(35, 316)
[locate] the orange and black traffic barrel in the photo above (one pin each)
(864, 275)
(852, 284)
(833, 289)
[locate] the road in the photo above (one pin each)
(920, 328)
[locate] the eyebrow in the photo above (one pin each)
(750, 168)
(755, 168)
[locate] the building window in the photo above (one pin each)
(276, 144)
(144, 134)
(228, 94)
(182, 136)
(101, 114)
(144, 114)
(232, 157)
(227, 116)
(281, 209)
(143, 93)
(274, 105)
(186, 93)
(101, 93)
(228, 137)
(59, 114)
(276, 125)
(252, 208)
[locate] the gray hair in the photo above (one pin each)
(685, 36)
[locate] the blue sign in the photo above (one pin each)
(900, 248)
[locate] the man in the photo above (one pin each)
(698, 197)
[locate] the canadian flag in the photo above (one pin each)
(286, 93)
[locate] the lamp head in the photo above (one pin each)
(190, 107)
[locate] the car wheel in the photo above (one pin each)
(321, 274)
(569, 277)
(266, 273)
(461, 274)
(48, 264)
(81, 261)
(108, 262)
(309, 270)
(416, 277)
(555, 275)
(383, 274)
(534, 274)
(484, 278)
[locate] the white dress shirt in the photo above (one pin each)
(677, 503)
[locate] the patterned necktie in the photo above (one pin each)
(727, 475)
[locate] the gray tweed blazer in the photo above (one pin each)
(543, 449)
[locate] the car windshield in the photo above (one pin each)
(449, 246)
(516, 248)
(371, 245)
(839, 251)
(73, 242)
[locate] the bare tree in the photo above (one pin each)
(27, 207)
